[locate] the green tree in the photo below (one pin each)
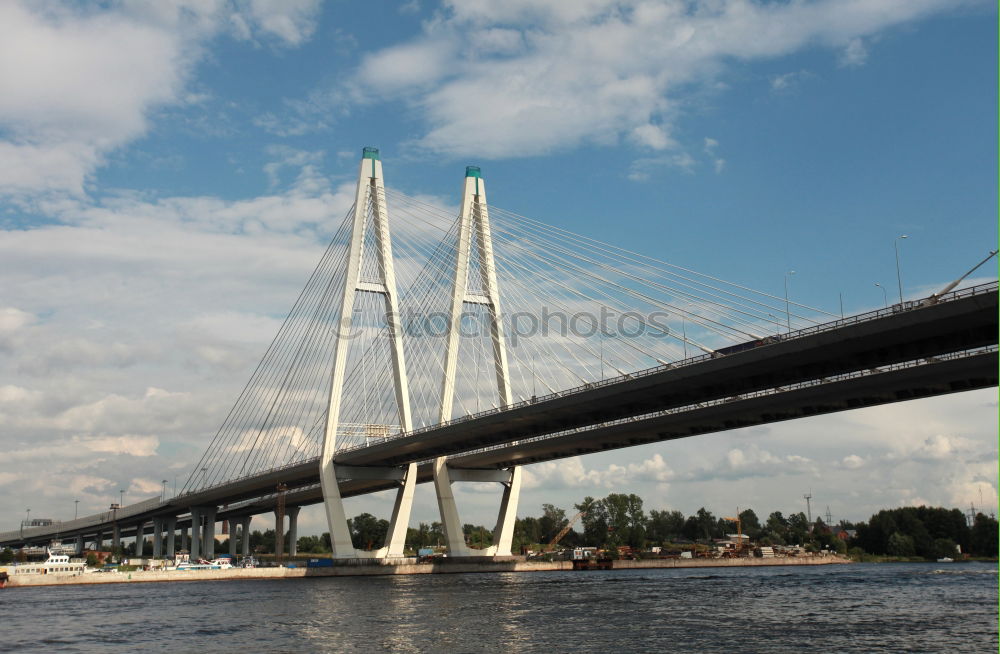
(984, 536)
(477, 536)
(92, 560)
(701, 526)
(665, 526)
(776, 528)
(945, 547)
(901, 544)
(553, 519)
(367, 531)
(750, 523)
(6, 556)
(595, 523)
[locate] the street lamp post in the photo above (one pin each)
(899, 278)
(885, 296)
(76, 508)
(163, 493)
(788, 313)
(121, 498)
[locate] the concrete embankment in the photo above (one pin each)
(399, 567)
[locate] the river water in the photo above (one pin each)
(837, 608)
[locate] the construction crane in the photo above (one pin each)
(564, 530)
(739, 531)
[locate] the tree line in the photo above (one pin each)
(621, 519)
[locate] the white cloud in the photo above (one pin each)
(556, 75)
(79, 83)
(853, 461)
(291, 21)
(752, 461)
(855, 54)
(572, 473)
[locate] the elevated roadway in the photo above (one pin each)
(911, 350)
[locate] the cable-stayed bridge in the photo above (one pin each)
(430, 348)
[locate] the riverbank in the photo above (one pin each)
(366, 567)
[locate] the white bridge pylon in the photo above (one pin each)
(473, 232)
(371, 192)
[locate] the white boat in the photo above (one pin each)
(56, 564)
(223, 563)
(946, 559)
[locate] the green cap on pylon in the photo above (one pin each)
(473, 171)
(369, 153)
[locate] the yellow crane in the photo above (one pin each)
(564, 530)
(739, 531)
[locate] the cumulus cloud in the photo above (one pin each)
(753, 461)
(79, 82)
(855, 54)
(572, 473)
(853, 461)
(555, 75)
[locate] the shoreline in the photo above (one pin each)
(399, 567)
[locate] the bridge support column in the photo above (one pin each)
(293, 530)
(140, 539)
(503, 532)
(116, 538)
(171, 535)
(279, 535)
(451, 524)
(245, 535)
(79, 545)
(195, 534)
(395, 540)
(157, 538)
(232, 536)
(209, 542)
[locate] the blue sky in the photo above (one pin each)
(169, 174)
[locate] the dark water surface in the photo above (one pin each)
(847, 608)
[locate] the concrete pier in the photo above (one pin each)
(293, 530)
(171, 535)
(245, 535)
(209, 541)
(195, 533)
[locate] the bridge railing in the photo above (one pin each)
(742, 396)
(56, 528)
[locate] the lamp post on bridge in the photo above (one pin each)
(163, 493)
(121, 498)
(885, 296)
(76, 508)
(899, 278)
(788, 312)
